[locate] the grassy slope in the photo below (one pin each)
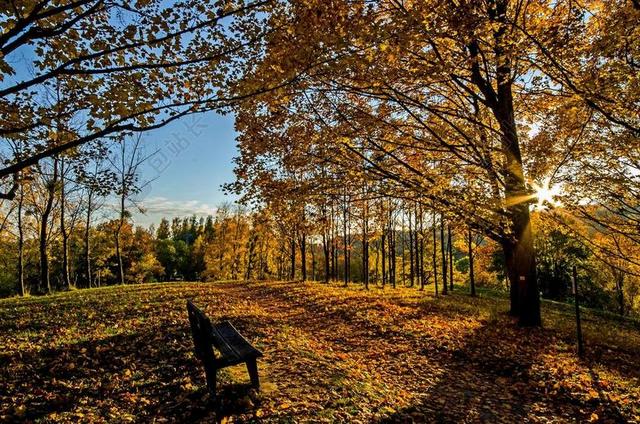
(331, 354)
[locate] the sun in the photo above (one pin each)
(546, 194)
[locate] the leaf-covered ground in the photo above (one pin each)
(331, 355)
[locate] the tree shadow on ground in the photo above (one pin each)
(482, 384)
(152, 373)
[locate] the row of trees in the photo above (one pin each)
(354, 236)
(459, 107)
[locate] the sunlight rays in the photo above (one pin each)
(542, 196)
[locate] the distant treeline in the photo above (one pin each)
(237, 244)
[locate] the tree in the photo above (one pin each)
(126, 166)
(436, 98)
(130, 68)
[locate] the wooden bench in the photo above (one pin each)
(232, 347)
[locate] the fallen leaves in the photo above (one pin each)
(331, 355)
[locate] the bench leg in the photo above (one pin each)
(210, 373)
(252, 368)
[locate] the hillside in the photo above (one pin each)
(331, 354)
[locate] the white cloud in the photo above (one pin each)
(160, 207)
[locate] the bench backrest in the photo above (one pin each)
(201, 330)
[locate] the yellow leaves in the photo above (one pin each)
(20, 410)
(592, 394)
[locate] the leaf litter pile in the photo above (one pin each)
(332, 354)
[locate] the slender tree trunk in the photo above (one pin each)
(416, 241)
(118, 232)
(444, 256)
(63, 229)
(303, 256)
(421, 251)
(365, 244)
(383, 240)
(345, 240)
(334, 243)
(619, 278)
(435, 256)
(87, 240)
(45, 281)
(472, 280)
(325, 251)
(450, 246)
(402, 248)
(292, 272)
(411, 256)
(313, 261)
(392, 252)
(21, 287)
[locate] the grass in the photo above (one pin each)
(332, 354)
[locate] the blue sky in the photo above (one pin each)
(191, 159)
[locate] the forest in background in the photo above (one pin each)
(362, 127)
(383, 241)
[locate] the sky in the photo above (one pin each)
(189, 161)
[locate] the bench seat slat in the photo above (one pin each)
(232, 346)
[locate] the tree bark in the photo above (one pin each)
(472, 281)
(292, 270)
(63, 229)
(118, 231)
(45, 281)
(325, 251)
(435, 254)
(365, 243)
(444, 256)
(87, 240)
(21, 287)
(411, 256)
(519, 252)
(392, 251)
(303, 255)
(450, 248)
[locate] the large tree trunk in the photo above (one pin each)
(520, 252)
